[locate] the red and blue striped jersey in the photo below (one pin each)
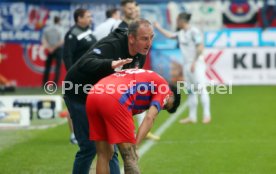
(137, 89)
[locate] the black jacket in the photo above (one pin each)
(96, 62)
(123, 24)
(76, 42)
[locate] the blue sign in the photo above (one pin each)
(24, 23)
(255, 37)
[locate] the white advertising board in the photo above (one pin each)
(14, 117)
(9, 101)
(240, 66)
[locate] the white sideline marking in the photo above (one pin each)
(149, 143)
(35, 127)
(146, 146)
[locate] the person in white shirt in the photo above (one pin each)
(52, 40)
(113, 20)
(190, 41)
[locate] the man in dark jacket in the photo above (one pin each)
(77, 41)
(120, 49)
(79, 38)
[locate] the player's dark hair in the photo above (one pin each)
(56, 19)
(185, 16)
(133, 26)
(109, 13)
(177, 99)
(124, 2)
(79, 13)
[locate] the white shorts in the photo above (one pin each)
(197, 79)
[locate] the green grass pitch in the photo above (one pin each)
(240, 139)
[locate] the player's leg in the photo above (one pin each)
(58, 56)
(130, 158)
(105, 152)
(192, 103)
(47, 69)
(119, 125)
(100, 121)
(204, 96)
(205, 100)
(192, 96)
(140, 118)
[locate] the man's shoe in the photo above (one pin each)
(186, 121)
(73, 141)
(206, 120)
(152, 137)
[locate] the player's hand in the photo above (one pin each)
(120, 62)
(193, 67)
(156, 24)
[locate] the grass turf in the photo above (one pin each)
(240, 139)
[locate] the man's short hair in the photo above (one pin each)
(177, 99)
(185, 16)
(109, 13)
(79, 13)
(124, 2)
(56, 19)
(133, 26)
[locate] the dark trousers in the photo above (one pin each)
(57, 55)
(87, 151)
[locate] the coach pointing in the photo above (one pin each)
(121, 48)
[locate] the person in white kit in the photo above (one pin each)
(190, 41)
(113, 20)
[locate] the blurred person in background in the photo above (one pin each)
(190, 41)
(78, 40)
(137, 11)
(113, 20)
(6, 85)
(52, 40)
(120, 49)
(128, 8)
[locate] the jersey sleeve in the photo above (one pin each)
(159, 101)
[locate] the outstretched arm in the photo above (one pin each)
(165, 32)
(101, 61)
(146, 124)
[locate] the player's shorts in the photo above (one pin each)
(198, 77)
(109, 120)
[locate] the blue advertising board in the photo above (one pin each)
(23, 23)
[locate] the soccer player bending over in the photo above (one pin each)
(113, 101)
